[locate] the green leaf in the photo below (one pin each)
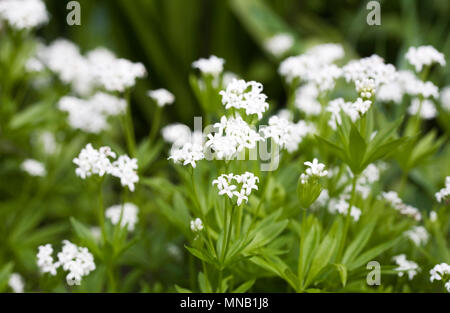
(356, 149)
(5, 272)
(324, 253)
(86, 237)
(371, 254)
(342, 269)
(182, 290)
(359, 242)
(245, 286)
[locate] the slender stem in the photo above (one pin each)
(348, 217)
(230, 228)
(403, 181)
(155, 123)
(129, 129)
(301, 248)
(101, 211)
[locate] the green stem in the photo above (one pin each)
(101, 211)
(129, 129)
(155, 123)
(348, 217)
(300, 252)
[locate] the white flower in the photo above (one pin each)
(125, 168)
(92, 161)
(248, 96)
(115, 74)
(279, 44)
(45, 260)
(228, 184)
(211, 66)
(23, 14)
(33, 168)
(369, 73)
(161, 96)
(327, 53)
(439, 271)
(362, 106)
(406, 266)
(341, 206)
(444, 192)
(232, 135)
(394, 200)
(418, 235)
(91, 115)
(16, 283)
(413, 86)
(316, 168)
(177, 134)
(306, 99)
(126, 213)
(424, 56)
(189, 153)
(285, 134)
(336, 107)
(322, 200)
(445, 98)
(78, 261)
(196, 225)
(390, 92)
(34, 65)
(427, 108)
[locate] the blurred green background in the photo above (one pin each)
(168, 35)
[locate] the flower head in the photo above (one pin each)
(33, 167)
(279, 44)
(16, 283)
(161, 96)
(196, 225)
(239, 186)
(127, 214)
(424, 56)
(211, 66)
(23, 14)
(405, 266)
(444, 193)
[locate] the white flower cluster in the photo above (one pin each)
(232, 135)
(279, 44)
(287, 135)
(115, 74)
(338, 105)
(33, 167)
(77, 261)
(48, 142)
(405, 266)
(424, 56)
(161, 96)
(427, 108)
(369, 74)
(211, 66)
(196, 225)
(439, 272)
(341, 206)
(306, 99)
(188, 153)
(176, 134)
(228, 185)
(394, 200)
(314, 66)
(247, 96)
(127, 214)
(100, 67)
(16, 283)
(418, 235)
(444, 192)
(92, 161)
(23, 14)
(91, 115)
(315, 169)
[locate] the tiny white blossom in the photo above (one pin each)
(161, 96)
(341, 206)
(196, 225)
(247, 96)
(45, 260)
(16, 283)
(33, 167)
(427, 108)
(444, 193)
(424, 56)
(92, 161)
(23, 14)
(211, 66)
(126, 168)
(279, 44)
(418, 235)
(362, 106)
(405, 266)
(394, 200)
(228, 184)
(126, 213)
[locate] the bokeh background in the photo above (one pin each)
(168, 35)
